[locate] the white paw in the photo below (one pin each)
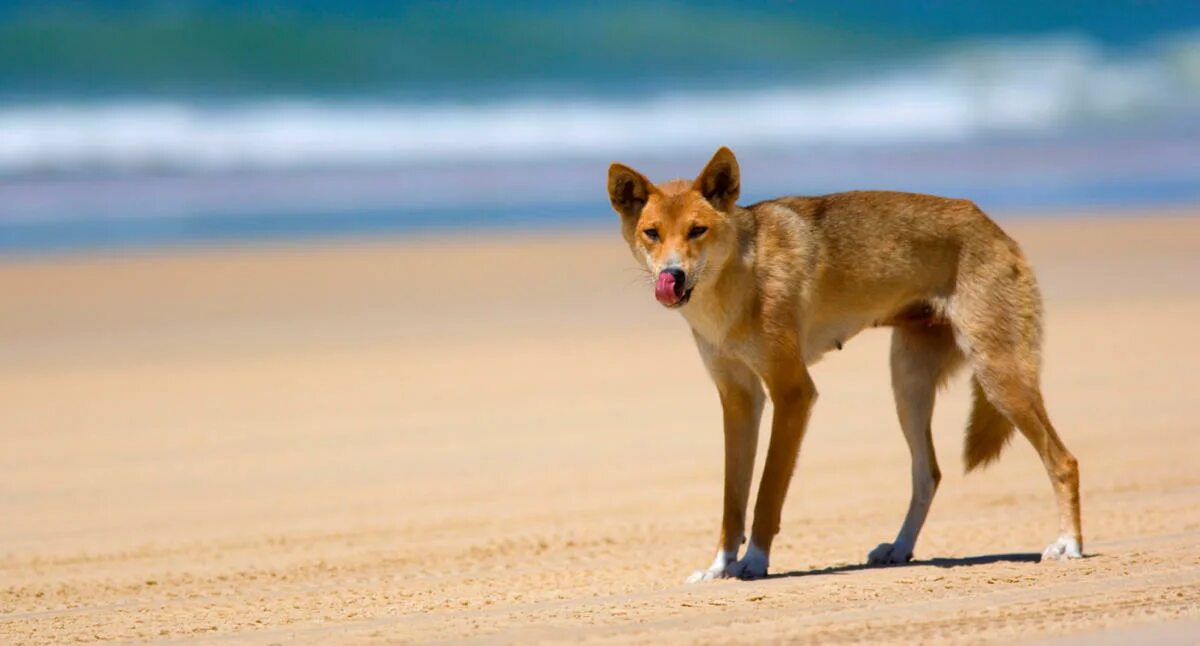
(716, 570)
(699, 576)
(890, 554)
(1066, 547)
(751, 566)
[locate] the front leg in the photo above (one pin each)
(742, 400)
(793, 394)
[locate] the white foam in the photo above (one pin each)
(1007, 87)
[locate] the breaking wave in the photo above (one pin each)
(1007, 88)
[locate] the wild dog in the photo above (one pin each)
(769, 288)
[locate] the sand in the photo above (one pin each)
(504, 438)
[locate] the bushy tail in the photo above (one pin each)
(987, 432)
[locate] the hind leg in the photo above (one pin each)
(1008, 376)
(922, 357)
(1021, 401)
(1029, 416)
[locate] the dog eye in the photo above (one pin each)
(696, 232)
(651, 233)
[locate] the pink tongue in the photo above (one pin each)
(664, 289)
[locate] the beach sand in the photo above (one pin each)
(504, 437)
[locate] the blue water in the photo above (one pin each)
(140, 123)
(252, 226)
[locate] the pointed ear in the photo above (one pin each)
(721, 181)
(628, 190)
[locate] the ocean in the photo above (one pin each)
(143, 123)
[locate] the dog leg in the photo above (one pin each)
(922, 357)
(1063, 469)
(1004, 348)
(1021, 401)
(742, 402)
(793, 397)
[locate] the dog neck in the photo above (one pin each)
(719, 309)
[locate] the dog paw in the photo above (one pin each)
(751, 566)
(890, 554)
(700, 576)
(716, 570)
(1066, 547)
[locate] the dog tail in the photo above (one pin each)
(988, 431)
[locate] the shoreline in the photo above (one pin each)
(488, 229)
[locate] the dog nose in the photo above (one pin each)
(677, 274)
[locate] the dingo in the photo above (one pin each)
(769, 288)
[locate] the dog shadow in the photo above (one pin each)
(966, 561)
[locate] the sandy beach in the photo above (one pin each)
(474, 438)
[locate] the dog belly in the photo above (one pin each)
(831, 335)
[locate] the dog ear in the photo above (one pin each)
(721, 181)
(628, 190)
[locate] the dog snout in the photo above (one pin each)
(676, 273)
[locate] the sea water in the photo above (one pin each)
(1041, 120)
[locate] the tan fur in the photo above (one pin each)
(775, 285)
(988, 431)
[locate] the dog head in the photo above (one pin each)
(680, 231)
